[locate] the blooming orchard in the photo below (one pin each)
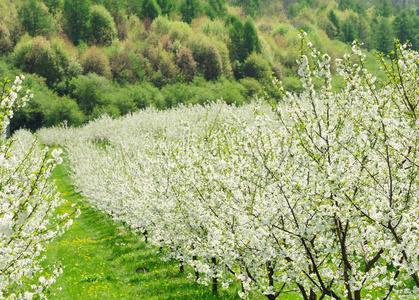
(27, 204)
(317, 194)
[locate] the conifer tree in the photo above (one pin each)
(405, 28)
(34, 17)
(166, 6)
(217, 8)
(237, 50)
(190, 9)
(251, 39)
(384, 37)
(77, 15)
(151, 9)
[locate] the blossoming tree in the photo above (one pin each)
(27, 207)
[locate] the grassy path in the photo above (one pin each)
(101, 262)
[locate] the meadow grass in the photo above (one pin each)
(102, 261)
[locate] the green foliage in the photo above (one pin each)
(54, 6)
(384, 36)
(347, 4)
(121, 98)
(166, 65)
(216, 8)
(94, 60)
(167, 6)
(216, 29)
(348, 32)
(9, 17)
(161, 25)
(251, 86)
(126, 62)
(5, 42)
(121, 25)
(102, 29)
(77, 15)
(251, 7)
(74, 68)
(186, 63)
(34, 17)
(405, 27)
(293, 10)
(63, 109)
(151, 9)
(237, 49)
(90, 91)
(292, 84)
(207, 56)
(39, 56)
(46, 108)
(201, 92)
(180, 31)
(225, 57)
(144, 95)
(334, 19)
(257, 67)
(190, 9)
(281, 28)
(251, 39)
(172, 52)
(385, 9)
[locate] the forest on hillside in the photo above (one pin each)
(87, 58)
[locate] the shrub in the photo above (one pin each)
(161, 25)
(90, 91)
(251, 86)
(180, 31)
(186, 63)
(167, 66)
(5, 42)
(225, 57)
(121, 98)
(94, 60)
(166, 43)
(63, 109)
(257, 67)
(39, 56)
(207, 56)
(145, 95)
(135, 29)
(121, 57)
(74, 68)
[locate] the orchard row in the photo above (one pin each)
(316, 194)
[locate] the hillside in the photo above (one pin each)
(93, 57)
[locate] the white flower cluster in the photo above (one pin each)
(10, 100)
(318, 195)
(27, 204)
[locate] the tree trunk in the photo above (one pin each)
(214, 279)
(196, 272)
(181, 268)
